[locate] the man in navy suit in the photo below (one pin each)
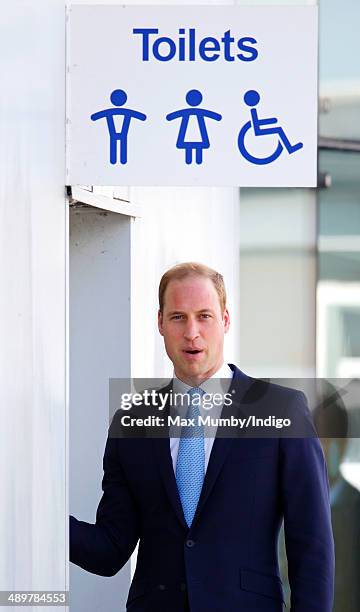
(206, 511)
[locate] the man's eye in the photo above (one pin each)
(205, 315)
(176, 317)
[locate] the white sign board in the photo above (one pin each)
(205, 95)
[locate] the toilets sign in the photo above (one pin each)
(192, 95)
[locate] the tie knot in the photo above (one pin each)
(196, 391)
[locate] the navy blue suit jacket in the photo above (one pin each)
(227, 561)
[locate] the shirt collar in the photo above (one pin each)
(219, 382)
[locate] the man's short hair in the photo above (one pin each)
(190, 268)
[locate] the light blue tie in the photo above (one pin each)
(190, 465)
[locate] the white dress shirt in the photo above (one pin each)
(218, 383)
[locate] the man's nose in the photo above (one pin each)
(191, 330)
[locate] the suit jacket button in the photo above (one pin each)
(162, 587)
(190, 543)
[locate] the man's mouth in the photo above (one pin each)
(192, 353)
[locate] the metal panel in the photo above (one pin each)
(33, 310)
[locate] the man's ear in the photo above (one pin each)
(160, 322)
(226, 320)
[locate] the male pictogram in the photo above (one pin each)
(118, 122)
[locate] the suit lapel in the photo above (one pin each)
(221, 447)
(167, 472)
(162, 449)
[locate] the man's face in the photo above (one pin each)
(193, 326)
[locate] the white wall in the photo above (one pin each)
(33, 313)
(180, 224)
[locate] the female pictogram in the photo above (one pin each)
(193, 134)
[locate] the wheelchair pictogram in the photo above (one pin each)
(252, 98)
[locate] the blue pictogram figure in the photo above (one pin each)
(252, 98)
(118, 99)
(193, 134)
